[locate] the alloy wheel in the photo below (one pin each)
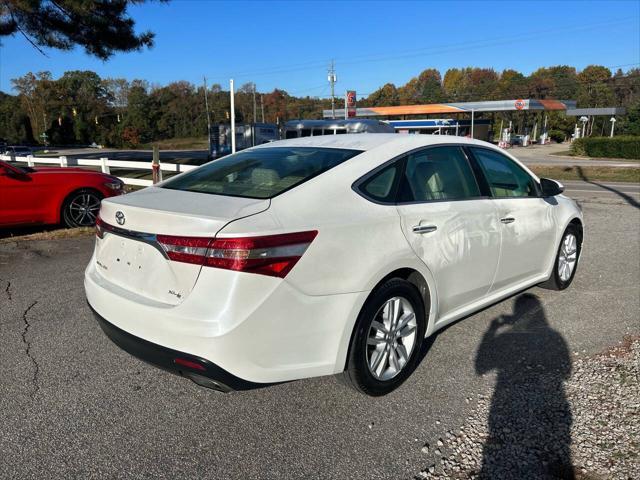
(391, 338)
(83, 209)
(568, 257)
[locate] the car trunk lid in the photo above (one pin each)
(129, 253)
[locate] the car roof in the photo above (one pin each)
(370, 141)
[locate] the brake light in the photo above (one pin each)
(273, 255)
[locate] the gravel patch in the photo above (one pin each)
(551, 424)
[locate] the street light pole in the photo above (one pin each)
(472, 121)
(233, 118)
(254, 103)
(206, 105)
(613, 124)
(584, 121)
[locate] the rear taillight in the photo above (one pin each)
(185, 249)
(99, 228)
(273, 255)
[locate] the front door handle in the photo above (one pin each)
(507, 220)
(424, 229)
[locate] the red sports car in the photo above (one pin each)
(51, 195)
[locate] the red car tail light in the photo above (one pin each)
(185, 249)
(99, 228)
(273, 255)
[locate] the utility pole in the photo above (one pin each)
(206, 105)
(262, 108)
(254, 103)
(332, 80)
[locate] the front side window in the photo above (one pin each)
(505, 177)
(440, 173)
(260, 173)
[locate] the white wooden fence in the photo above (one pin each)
(104, 163)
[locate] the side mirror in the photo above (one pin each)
(551, 188)
(12, 171)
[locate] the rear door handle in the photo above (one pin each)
(421, 229)
(507, 220)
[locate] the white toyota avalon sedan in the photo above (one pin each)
(324, 255)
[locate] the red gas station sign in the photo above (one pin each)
(350, 104)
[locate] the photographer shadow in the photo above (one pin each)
(530, 417)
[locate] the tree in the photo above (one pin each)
(385, 96)
(558, 82)
(15, 126)
(35, 94)
(425, 88)
(594, 90)
(101, 27)
(630, 125)
(83, 102)
(118, 90)
(511, 85)
(140, 113)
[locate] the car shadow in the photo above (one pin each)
(530, 417)
(627, 198)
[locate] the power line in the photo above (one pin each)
(430, 50)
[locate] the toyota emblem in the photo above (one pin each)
(120, 217)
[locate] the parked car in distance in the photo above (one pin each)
(17, 151)
(321, 255)
(52, 195)
(519, 140)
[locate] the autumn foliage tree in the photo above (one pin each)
(81, 108)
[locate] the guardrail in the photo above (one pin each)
(105, 165)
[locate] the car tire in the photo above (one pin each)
(385, 346)
(73, 214)
(566, 262)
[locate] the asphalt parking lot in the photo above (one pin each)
(72, 405)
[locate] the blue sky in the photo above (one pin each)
(289, 44)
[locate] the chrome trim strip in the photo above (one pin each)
(148, 238)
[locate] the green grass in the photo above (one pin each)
(611, 174)
(197, 143)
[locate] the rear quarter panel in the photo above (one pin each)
(359, 242)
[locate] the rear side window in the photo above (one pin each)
(440, 173)
(505, 177)
(381, 186)
(260, 173)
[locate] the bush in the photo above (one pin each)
(557, 136)
(616, 147)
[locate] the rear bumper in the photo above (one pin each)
(208, 374)
(252, 327)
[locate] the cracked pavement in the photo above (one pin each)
(72, 405)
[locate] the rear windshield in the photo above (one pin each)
(260, 173)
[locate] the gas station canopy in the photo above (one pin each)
(460, 107)
(593, 112)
